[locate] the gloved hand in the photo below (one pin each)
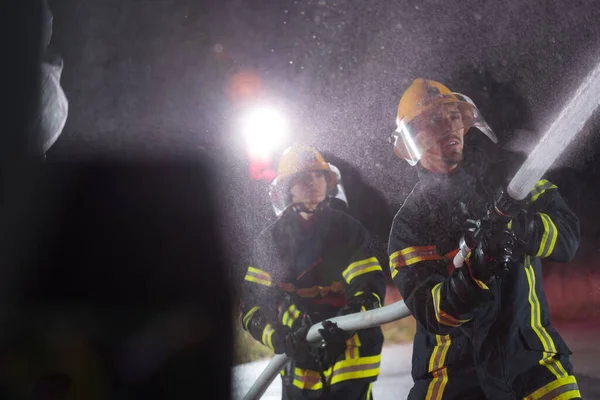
(480, 265)
(356, 304)
(298, 348)
(522, 228)
(508, 245)
(333, 344)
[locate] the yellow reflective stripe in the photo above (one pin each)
(352, 347)
(563, 388)
(413, 255)
(361, 267)
(394, 273)
(290, 316)
(553, 365)
(267, 336)
(306, 379)
(369, 391)
(435, 391)
(374, 294)
(362, 367)
(378, 298)
(481, 284)
(440, 315)
(548, 238)
(246, 319)
(540, 188)
(258, 276)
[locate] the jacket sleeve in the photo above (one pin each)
(439, 301)
(363, 275)
(556, 228)
(260, 298)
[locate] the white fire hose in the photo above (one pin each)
(351, 322)
(565, 127)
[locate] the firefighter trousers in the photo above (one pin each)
(460, 382)
(457, 382)
(350, 390)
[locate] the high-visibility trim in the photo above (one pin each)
(267, 336)
(481, 284)
(370, 391)
(449, 257)
(361, 267)
(290, 316)
(394, 273)
(548, 238)
(378, 298)
(361, 367)
(352, 347)
(540, 188)
(248, 317)
(563, 389)
(413, 255)
(306, 379)
(435, 391)
(258, 276)
(548, 360)
(373, 293)
(440, 315)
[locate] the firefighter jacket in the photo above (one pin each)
(508, 336)
(315, 270)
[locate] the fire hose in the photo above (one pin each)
(351, 322)
(565, 127)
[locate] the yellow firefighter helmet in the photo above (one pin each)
(418, 105)
(298, 159)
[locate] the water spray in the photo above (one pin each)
(569, 122)
(563, 130)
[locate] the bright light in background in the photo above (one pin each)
(265, 130)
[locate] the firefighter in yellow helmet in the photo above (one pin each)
(312, 264)
(483, 328)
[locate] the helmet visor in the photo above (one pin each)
(434, 120)
(279, 189)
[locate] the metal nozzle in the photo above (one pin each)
(507, 207)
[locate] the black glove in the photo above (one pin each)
(356, 304)
(464, 294)
(522, 228)
(480, 265)
(507, 246)
(333, 344)
(298, 348)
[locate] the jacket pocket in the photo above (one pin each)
(543, 339)
(432, 352)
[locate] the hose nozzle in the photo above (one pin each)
(505, 206)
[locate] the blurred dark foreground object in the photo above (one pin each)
(119, 286)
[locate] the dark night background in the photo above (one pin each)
(171, 78)
(152, 77)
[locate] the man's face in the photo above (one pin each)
(308, 188)
(442, 132)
